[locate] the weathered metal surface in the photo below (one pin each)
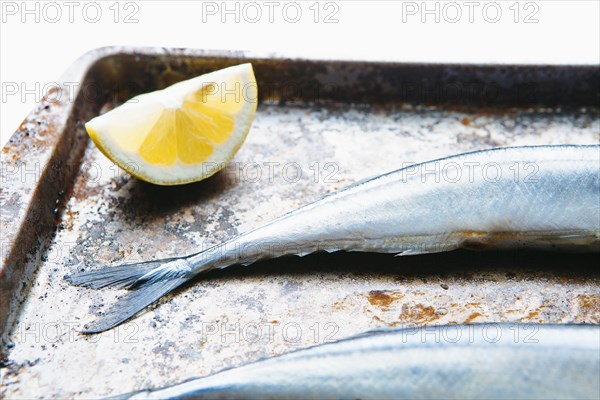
(311, 136)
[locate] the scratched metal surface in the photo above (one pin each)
(296, 152)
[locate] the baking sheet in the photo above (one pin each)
(320, 126)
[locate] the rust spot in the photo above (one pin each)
(70, 218)
(418, 314)
(83, 191)
(472, 317)
(52, 90)
(380, 298)
(344, 304)
(589, 307)
(338, 305)
(465, 121)
(532, 314)
(383, 298)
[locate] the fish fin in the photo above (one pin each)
(147, 283)
(119, 276)
(132, 303)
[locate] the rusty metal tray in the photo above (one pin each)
(320, 125)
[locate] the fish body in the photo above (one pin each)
(481, 361)
(535, 196)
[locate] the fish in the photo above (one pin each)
(478, 361)
(540, 197)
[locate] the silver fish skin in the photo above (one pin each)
(481, 361)
(544, 197)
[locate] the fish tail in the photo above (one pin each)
(147, 282)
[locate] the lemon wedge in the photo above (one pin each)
(181, 134)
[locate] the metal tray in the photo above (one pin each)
(320, 125)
